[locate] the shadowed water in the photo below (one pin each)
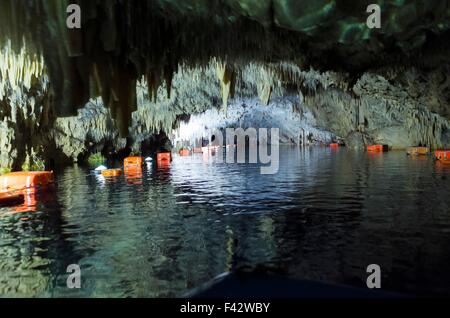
(325, 216)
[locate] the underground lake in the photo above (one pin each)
(325, 216)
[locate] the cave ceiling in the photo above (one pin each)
(122, 41)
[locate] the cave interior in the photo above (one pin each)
(135, 71)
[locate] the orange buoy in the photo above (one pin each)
(442, 155)
(334, 145)
(132, 170)
(8, 199)
(23, 180)
(415, 151)
(112, 173)
(164, 157)
(377, 148)
(133, 161)
(184, 152)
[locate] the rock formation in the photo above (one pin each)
(154, 62)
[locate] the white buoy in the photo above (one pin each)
(99, 169)
(148, 159)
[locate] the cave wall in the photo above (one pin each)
(25, 107)
(154, 62)
(397, 106)
(91, 131)
(296, 124)
(121, 41)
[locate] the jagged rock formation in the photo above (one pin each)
(295, 125)
(24, 106)
(121, 41)
(398, 114)
(91, 131)
(408, 112)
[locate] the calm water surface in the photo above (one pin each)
(325, 216)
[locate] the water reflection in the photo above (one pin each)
(134, 174)
(32, 241)
(161, 231)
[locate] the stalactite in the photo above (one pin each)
(168, 77)
(17, 70)
(126, 103)
(225, 75)
(153, 82)
(150, 36)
